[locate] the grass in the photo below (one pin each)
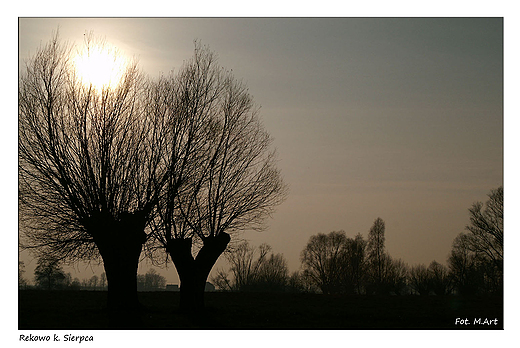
(87, 310)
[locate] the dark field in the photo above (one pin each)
(87, 310)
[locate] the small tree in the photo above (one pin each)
(222, 281)
(67, 281)
(245, 261)
(272, 275)
(297, 283)
(153, 280)
(93, 282)
(75, 284)
(49, 274)
(419, 279)
(355, 264)
(396, 276)
(22, 282)
(252, 269)
(323, 261)
(103, 280)
(377, 258)
(464, 267)
(141, 283)
(439, 278)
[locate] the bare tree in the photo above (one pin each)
(419, 279)
(297, 283)
(355, 264)
(186, 156)
(246, 261)
(487, 227)
(464, 266)
(486, 238)
(89, 168)
(103, 280)
(477, 256)
(323, 261)
(75, 284)
(221, 281)
(396, 276)
(48, 274)
(376, 255)
(253, 269)
(273, 274)
(93, 282)
(439, 278)
(22, 282)
(154, 281)
(224, 178)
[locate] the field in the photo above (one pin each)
(87, 310)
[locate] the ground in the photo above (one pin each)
(87, 310)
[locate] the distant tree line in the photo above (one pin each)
(151, 281)
(334, 263)
(49, 275)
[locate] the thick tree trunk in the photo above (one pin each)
(122, 300)
(194, 272)
(120, 244)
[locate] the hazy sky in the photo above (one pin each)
(372, 117)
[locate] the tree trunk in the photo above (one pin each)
(122, 301)
(193, 272)
(120, 244)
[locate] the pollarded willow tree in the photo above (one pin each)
(91, 166)
(103, 167)
(224, 178)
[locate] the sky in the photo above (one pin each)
(397, 118)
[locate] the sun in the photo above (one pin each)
(100, 66)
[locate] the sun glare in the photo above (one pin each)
(100, 67)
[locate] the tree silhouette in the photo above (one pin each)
(103, 280)
(486, 237)
(273, 274)
(48, 274)
(297, 283)
(476, 259)
(185, 155)
(464, 266)
(355, 264)
(22, 282)
(151, 281)
(439, 278)
(487, 227)
(93, 282)
(323, 261)
(252, 269)
(376, 255)
(395, 279)
(89, 169)
(223, 177)
(245, 261)
(419, 279)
